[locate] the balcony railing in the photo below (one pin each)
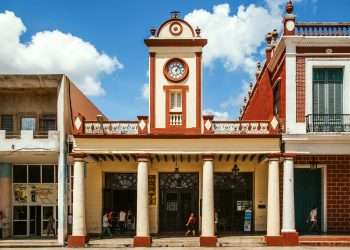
(241, 127)
(328, 123)
(175, 119)
(111, 128)
(322, 29)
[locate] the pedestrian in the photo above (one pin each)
(51, 226)
(130, 220)
(106, 226)
(191, 225)
(1, 224)
(216, 221)
(312, 220)
(70, 223)
(122, 219)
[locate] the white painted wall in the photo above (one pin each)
(162, 56)
(165, 32)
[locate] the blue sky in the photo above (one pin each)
(116, 29)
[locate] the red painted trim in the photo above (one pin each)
(142, 241)
(274, 240)
(176, 42)
(152, 69)
(207, 157)
(77, 156)
(208, 241)
(188, 133)
(166, 73)
(175, 33)
(175, 20)
(290, 239)
(77, 241)
(168, 89)
(198, 89)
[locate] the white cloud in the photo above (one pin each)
(218, 116)
(53, 52)
(235, 38)
(145, 91)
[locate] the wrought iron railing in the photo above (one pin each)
(241, 127)
(111, 128)
(322, 29)
(328, 123)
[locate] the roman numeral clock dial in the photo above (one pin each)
(176, 70)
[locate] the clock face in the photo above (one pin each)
(290, 25)
(176, 70)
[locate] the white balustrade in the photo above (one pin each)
(175, 119)
(111, 128)
(244, 127)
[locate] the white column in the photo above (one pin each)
(288, 217)
(273, 198)
(208, 197)
(142, 220)
(79, 226)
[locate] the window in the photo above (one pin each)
(20, 173)
(276, 98)
(48, 174)
(48, 122)
(175, 101)
(7, 123)
(34, 173)
(28, 123)
(327, 91)
(20, 220)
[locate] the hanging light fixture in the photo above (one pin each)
(235, 171)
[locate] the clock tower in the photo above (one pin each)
(175, 77)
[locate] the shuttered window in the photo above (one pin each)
(327, 91)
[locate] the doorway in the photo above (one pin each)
(234, 202)
(120, 194)
(308, 194)
(178, 199)
(35, 220)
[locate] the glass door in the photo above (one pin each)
(20, 214)
(47, 221)
(35, 220)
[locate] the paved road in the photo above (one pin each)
(201, 248)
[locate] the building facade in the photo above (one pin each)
(35, 121)
(305, 84)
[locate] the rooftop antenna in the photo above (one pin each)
(175, 14)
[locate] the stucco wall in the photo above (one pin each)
(94, 186)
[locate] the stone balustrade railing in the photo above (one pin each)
(210, 127)
(241, 127)
(322, 29)
(111, 127)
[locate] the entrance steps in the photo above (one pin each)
(111, 242)
(324, 240)
(179, 241)
(29, 243)
(241, 241)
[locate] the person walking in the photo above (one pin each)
(122, 220)
(106, 226)
(312, 220)
(70, 223)
(191, 225)
(51, 226)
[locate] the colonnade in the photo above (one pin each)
(142, 238)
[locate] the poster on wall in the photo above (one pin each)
(35, 193)
(152, 190)
(247, 220)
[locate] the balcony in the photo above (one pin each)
(322, 29)
(327, 123)
(29, 140)
(175, 119)
(241, 127)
